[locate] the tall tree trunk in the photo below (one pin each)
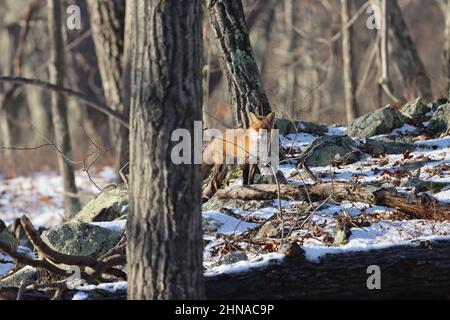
(411, 70)
(108, 26)
(263, 31)
(351, 108)
(59, 107)
(8, 38)
(291, 72)
(164, 232)
(82, 71)
(243, 78)
(446, 68)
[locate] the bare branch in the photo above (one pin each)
(69, 93)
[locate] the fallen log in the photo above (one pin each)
(420, 206)
(420, 271)
(417, 271)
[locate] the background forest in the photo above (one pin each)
(297, 45)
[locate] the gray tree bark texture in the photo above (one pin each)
(108, 30)
(419, 271)
(446, 52)
(411, 71)
(164, 249)
(291, 11)
(59, 107)
(351, 109)
(7, 37)
(243, 78)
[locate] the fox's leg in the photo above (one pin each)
(206, 170)
(216, 180)
(230, 170)
(251, 176)
(245, 174)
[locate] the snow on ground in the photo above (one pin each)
(39, 196)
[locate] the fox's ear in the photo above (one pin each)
(252, 117)
(270, 120)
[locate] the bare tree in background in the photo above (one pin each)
(108, 26)
(243, 78)
(164, 231)
(351, 107)
(6, 67)
(292, 41)
(446, 52)
(13, 36)
(406, 59)
(59, 108)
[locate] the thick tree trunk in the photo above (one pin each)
(412, 73)
(59, 107)
(415, 271)
(420, 206)
(164, 231)
(108, 26)
(351, 109)
(243, 78)
(446, 53)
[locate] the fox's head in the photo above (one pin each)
(258, 122)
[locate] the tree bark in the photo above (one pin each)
(420, 206)
(351, 108)
(243, 78)
(446, 52)
(59, 108)
(164, 232)
(411, 70)
(108, 26)
(291, 9)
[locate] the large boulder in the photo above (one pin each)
(81, 239)
(434, 105)
(7, 237)
(107, 206)
(415, 109)
(288, 126)
(380, 145)
(378, 122)
(440, 122)
(327, 150)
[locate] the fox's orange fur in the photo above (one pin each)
(233, 144)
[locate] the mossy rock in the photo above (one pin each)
(81, 239)
(415, 109)
(386, 145)
(332, 149)
(378, 122)
(440, 122)
(288, 126)
(107, 206)
(7, 237)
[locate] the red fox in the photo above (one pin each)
(236, 145)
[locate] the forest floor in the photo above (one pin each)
(39, 196)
